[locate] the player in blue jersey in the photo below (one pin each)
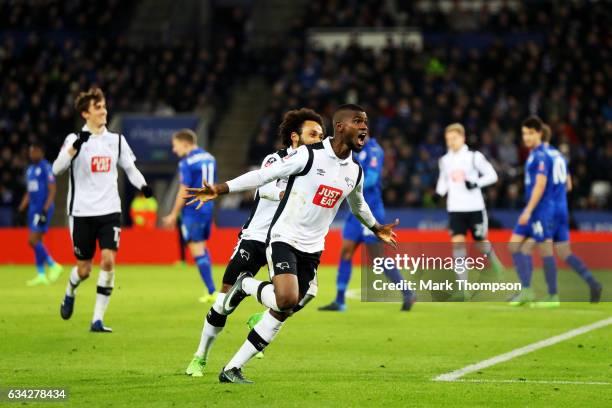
(39, 201)
(562, 184)
(196, 165)
(536, 220)
(371, 159)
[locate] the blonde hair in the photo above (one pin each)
(455, 127)
(186, 135)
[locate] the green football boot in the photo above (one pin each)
(38, 280)
(253, 320)
(524, 297)
(551, 301)
(55, 271)
(196, 366)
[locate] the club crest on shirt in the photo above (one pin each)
(349, 182)
(100, 164)
(320, 172)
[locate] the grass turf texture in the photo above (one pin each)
(372, 355)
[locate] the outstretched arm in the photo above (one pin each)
(290, 165)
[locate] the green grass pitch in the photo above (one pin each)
(372, 355)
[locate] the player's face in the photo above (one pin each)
(454, 140)
(531, 137)
(355, 130)
(180, 147)
(96, 114)
(312, 132)
(36, 154)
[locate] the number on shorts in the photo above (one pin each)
(117, 231)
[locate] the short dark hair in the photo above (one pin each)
(533, 122)
(293, 121)
(83, 100)
(186, 135)
(546, 133)
(347, 107)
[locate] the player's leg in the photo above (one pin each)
(522, 265)
(83, 234)
(564, 251)
(248, 256)
(34, 240)
(550, 273)
(108, 234)
(293, 274)
(480, 230)
(200, 254)
(345, 267)
(195, 233)
(376, 250)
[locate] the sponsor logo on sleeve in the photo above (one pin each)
(270, 161)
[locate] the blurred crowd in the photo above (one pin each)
(558, 67)
(532, 57)
(51, 50)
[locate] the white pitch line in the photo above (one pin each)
(455, 375)
(537, 382)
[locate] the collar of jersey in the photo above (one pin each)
(464, 148)
(330, 151)
(86, 128)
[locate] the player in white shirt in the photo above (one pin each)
(299, 127)
(463, 172)
(94, 207)
(321, 176)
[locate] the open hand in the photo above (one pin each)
(202, 195)
(385, 233)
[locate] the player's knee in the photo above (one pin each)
(286, 301)
(32, 241)
(107, 264)
(84, 270)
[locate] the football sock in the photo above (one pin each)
(396, 277)
(262, 291)
(489, 252)
(581, 269)
(39, 255)
(550, 273)
(259, 337)
(44, 254)
(213, 325)
(459, 253)
(519, 261)
(73, 282)
(342, 281)
(106, 282)
(203, 262)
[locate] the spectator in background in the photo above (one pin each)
(143, 211)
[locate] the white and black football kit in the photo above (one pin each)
(250, 251)
(462, 175)
(318, 182)
(94, 206)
